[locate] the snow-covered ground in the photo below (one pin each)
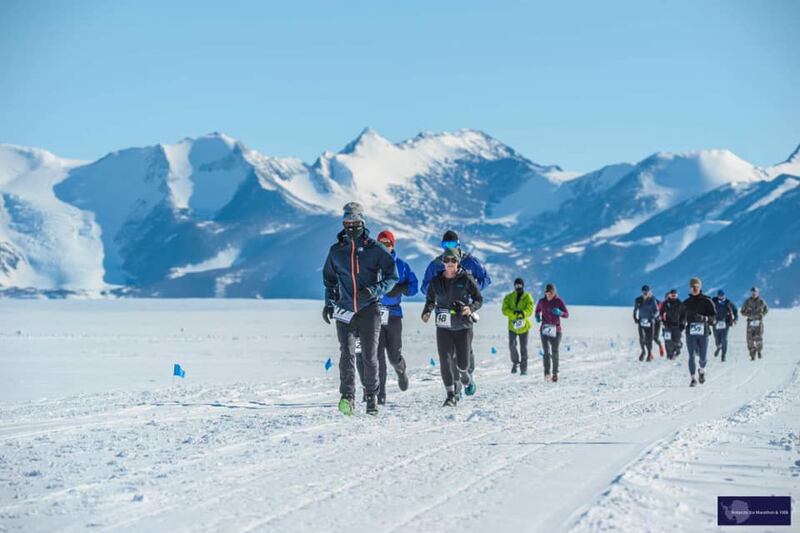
(93, 432)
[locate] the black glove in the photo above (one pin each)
(327, 313)
(364, 294)
(519, 314)
(398, 289)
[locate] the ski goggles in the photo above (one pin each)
(353, 223)
(387, 243)
(449, 244)
(449, 260)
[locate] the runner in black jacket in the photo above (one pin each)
(698, 316)
(357, 274)
(671, 317)
(453, 296)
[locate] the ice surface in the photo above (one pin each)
(95, 434)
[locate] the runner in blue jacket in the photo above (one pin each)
(470, 264)
(391, 337)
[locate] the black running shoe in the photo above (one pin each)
(702, 377)
(514, 368)
(693, 383)
(381, 399)
(450, 401)
(372, 405)
(402, 380)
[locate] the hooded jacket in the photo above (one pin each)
(515, 303)
(355, 265)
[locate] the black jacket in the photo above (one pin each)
(354, 266)
(698, 308)
(451, 295)
(671, 312)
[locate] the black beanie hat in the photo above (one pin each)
(519, 281)
(450, 235)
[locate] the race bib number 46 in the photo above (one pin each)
(721, 325)
(443, 320)
(549, 330)
(697, 328)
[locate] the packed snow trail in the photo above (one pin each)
(615, 444)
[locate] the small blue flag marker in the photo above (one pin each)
(433, 362)
(494, 350)
(569, 347)
(541, 353)
(328, 364)
(178, 371)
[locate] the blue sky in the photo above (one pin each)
(579, 84)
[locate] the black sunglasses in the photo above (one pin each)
(449, 260)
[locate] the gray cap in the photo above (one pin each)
(353, 212)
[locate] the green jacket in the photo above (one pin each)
(524, 305)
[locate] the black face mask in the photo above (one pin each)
(519, 289)
(354, 232)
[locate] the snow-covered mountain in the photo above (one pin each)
(210, 217)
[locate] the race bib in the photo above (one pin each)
(721, 325)
(697, 328)
(443, 319)
(667, 335)
(342, 315)
(384, 316)
(519, 324)
(754, 323)
(549, 330)
(645, 322)
(358, 346)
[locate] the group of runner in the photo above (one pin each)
(699, 317)
(365, 282)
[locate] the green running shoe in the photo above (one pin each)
(346, 406)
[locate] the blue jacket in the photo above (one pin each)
(468, 263)
(354, 266)
(726, 311)
(646, 308)
(406, 275)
